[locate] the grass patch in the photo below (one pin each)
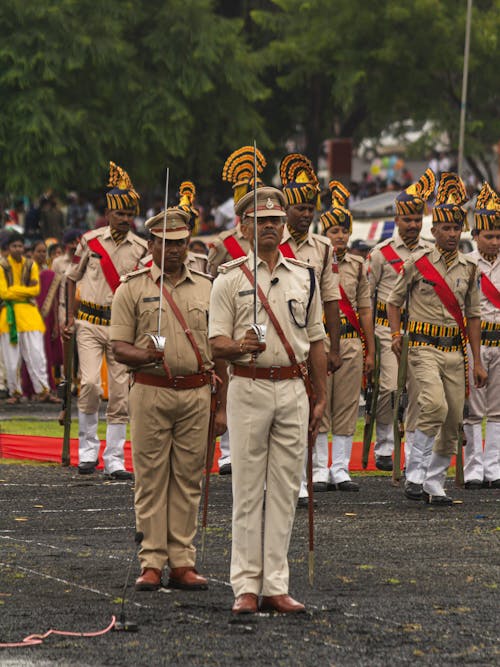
(49, 429)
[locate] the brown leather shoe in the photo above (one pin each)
(283, 604)
(150, 580)
(187, 579)
(246, 603)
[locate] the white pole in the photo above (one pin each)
(163, 251)
(463, 102)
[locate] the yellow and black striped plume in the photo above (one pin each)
(412, 200)
(451, 195)
(187, 194)
(487, 210)
(121, 194)
(338, 214)
(239, 170)
(299, 181)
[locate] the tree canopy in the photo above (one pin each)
(183, 82)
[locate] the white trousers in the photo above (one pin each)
(31, 350)
(482, 464)
(89, 444)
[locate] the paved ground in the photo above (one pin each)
(396, 582)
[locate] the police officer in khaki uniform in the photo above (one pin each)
(442, 291)
(482, 468)
(268, 409)
(194, 260)
(102, 256)
(384, 264)
(356, 335)
(239, 171)
(169, 400)
(301, 189)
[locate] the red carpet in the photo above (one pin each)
(36, 448)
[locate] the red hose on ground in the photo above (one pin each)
(33, 640)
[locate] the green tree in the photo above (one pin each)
(345, 68)
(146, 84)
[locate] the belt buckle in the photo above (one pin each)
(275, 373)
(176, 378)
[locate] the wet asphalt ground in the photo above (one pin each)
(396, 582)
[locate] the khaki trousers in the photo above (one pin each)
(343, 389)
(437, 380)
(93, 343)
(268, 434)
(169, 432)
(388, 382)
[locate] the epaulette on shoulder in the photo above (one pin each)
(298, 262)
(133, 274)
(420, 253)
(468, 258)
(228, 266)
(92, 233)
(323, 239)
(202, 274)
(226, 234)
(355, 258)
(138, 239)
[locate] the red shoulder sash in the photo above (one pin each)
(108, 268)
(347, 308)
(392, 258)
(490, 291)
(233, 247)
(443, 291)
(286, 250)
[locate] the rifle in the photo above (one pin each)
(371, 395)
(459, 459)
(401, 398)
(64, 389)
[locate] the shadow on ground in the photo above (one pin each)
(395, 582)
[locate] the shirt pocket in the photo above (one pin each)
(197, 316)
(148, 315)
(460, 287)
(297, 302)
(244, 309)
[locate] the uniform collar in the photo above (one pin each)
(398, 241)
(281, 261)
(437, 256)
(288, 237)
(107, 235)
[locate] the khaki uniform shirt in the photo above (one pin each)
(218, 254)
(86, 265)
(317, 251)
(489, 312)
(231, 308)
(381, 275)
(135, 314)
(352, 273)
(60, 265)
(425, 305)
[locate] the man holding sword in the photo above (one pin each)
(268, 408)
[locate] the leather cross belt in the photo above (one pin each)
(273, 373)
(176, 382)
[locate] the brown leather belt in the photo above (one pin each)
(177, 382)
(273, 373)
